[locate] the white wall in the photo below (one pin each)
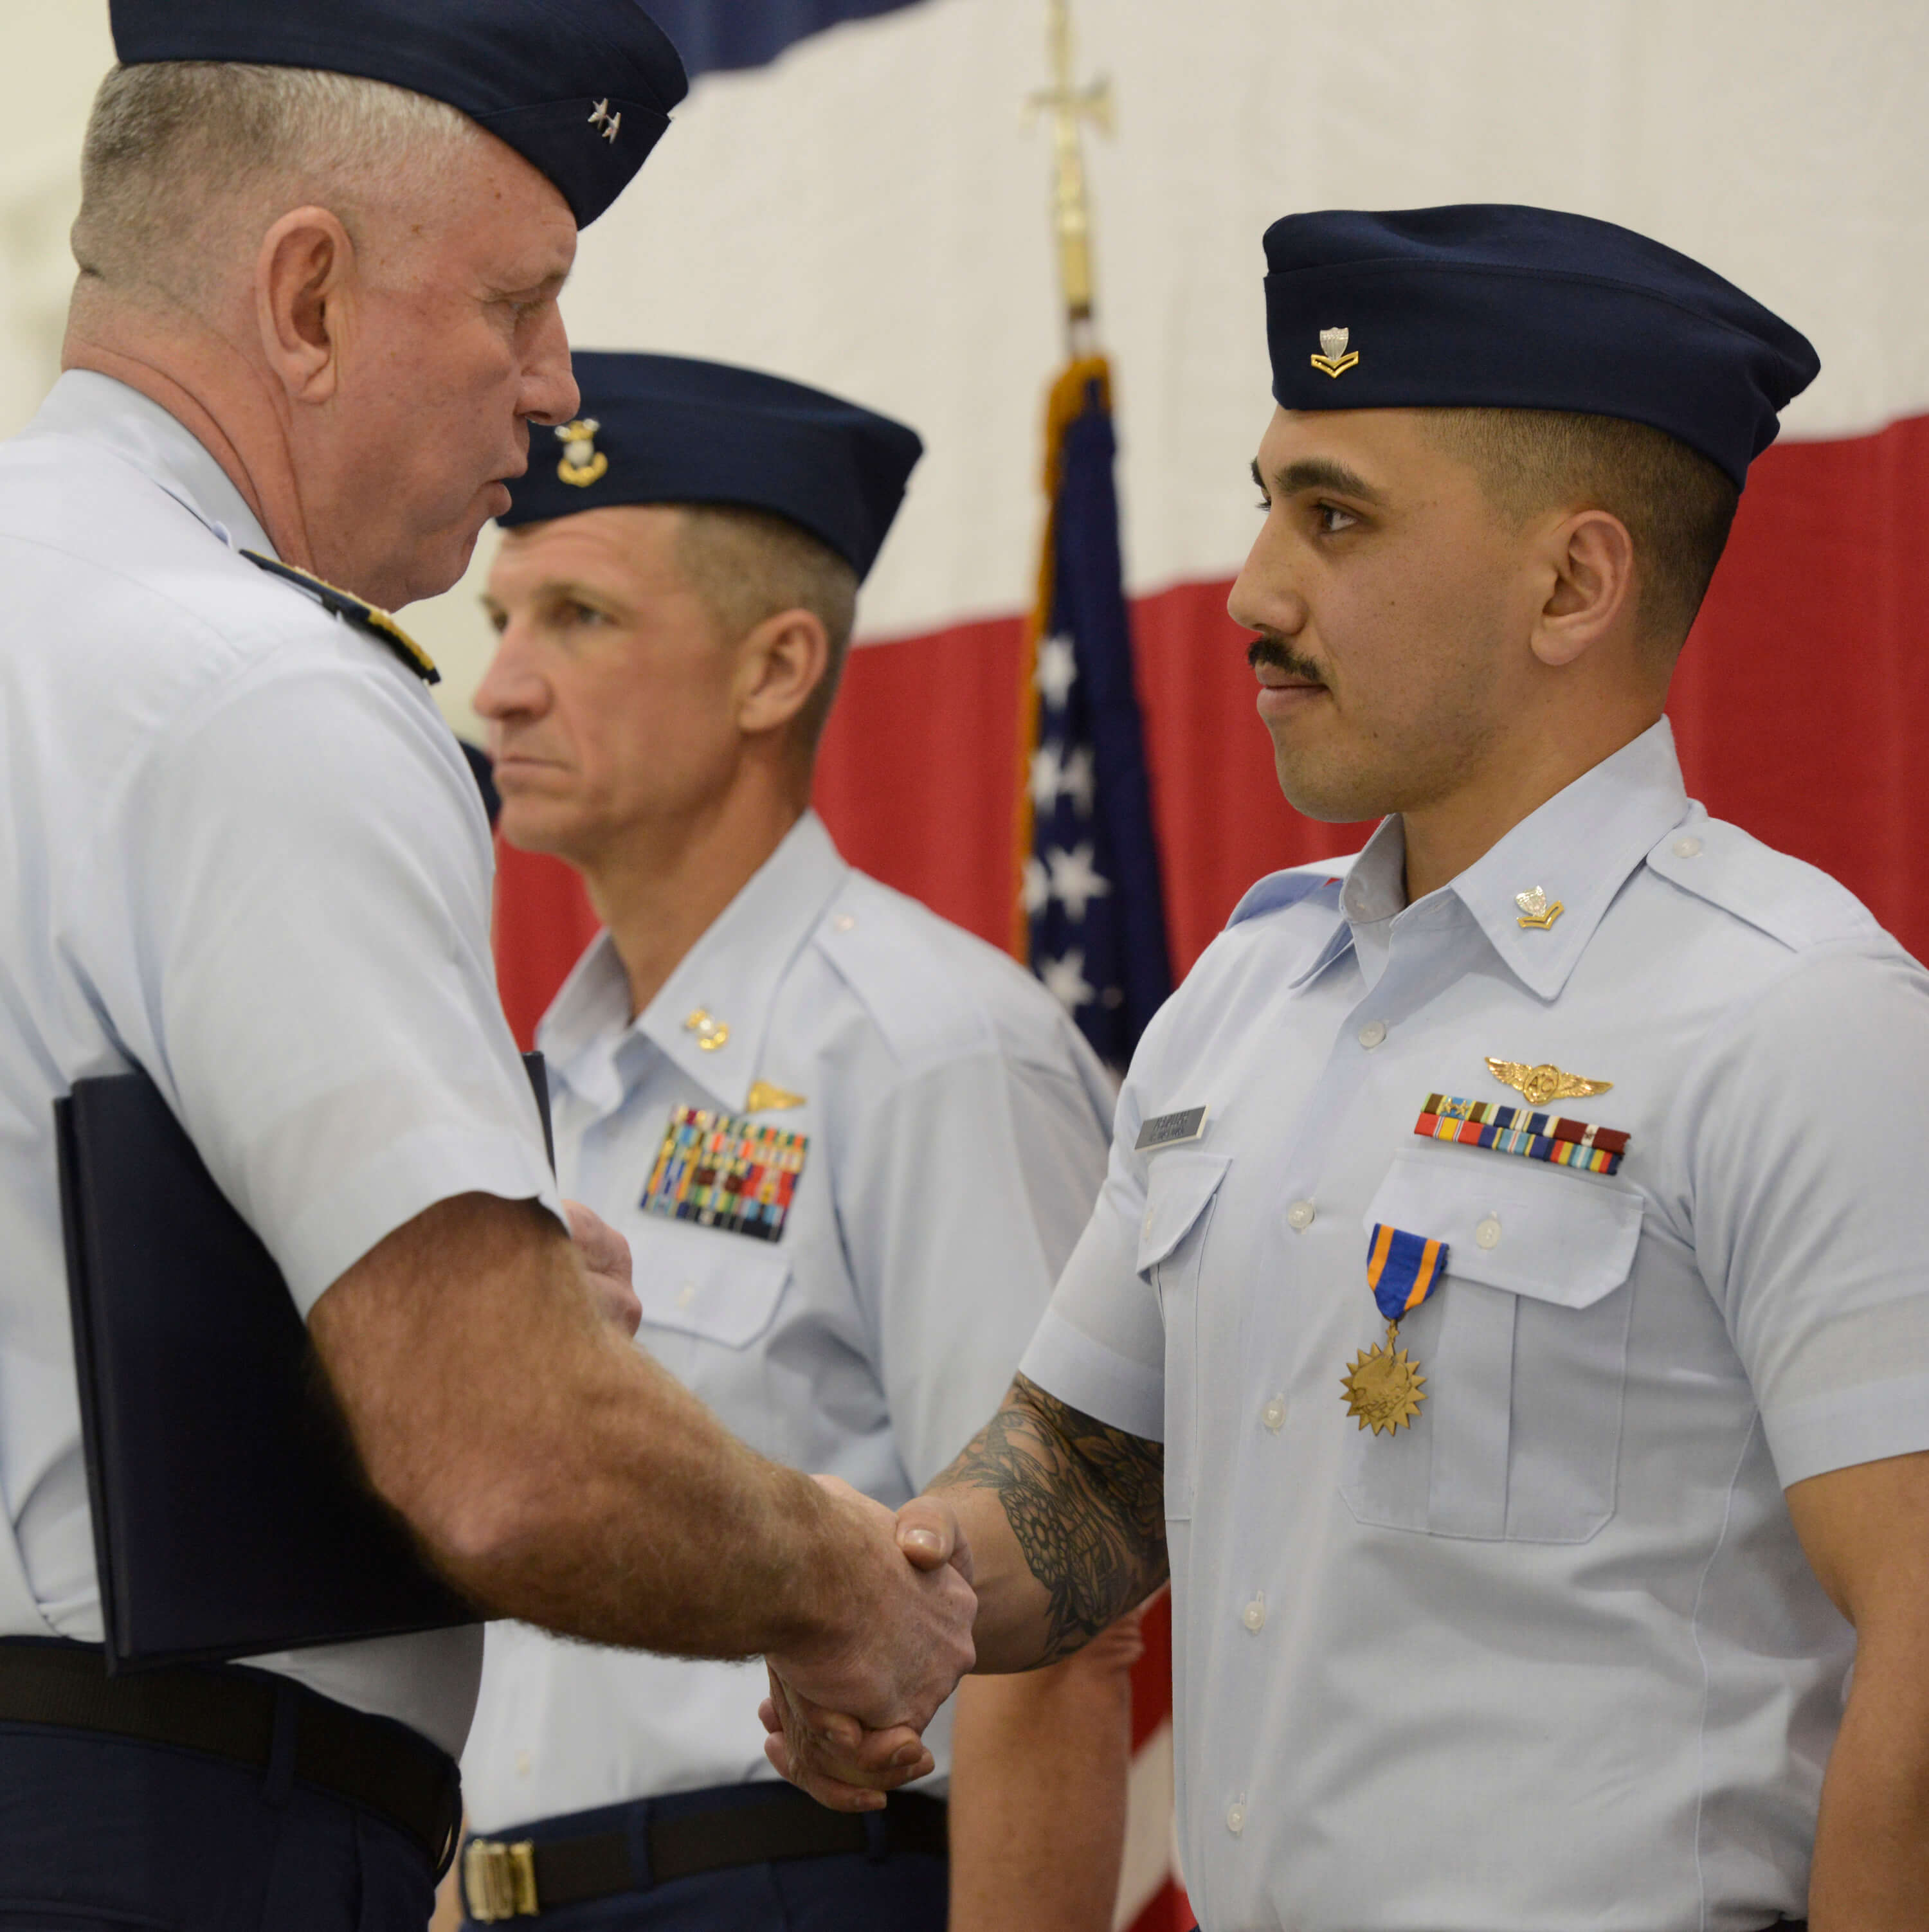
(869, 214)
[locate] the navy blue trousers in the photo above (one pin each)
(99, 1835)
(907, 1892)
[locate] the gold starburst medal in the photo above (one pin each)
(1385, 1387)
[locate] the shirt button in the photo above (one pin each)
(1488, 1233)
(1686, 848)
(1145, 1226)
(1235, 1817)
(686, 1295)
(1372, 1033)
(1273, 1415)
(522, 1764)
(1254, 1614)
(844, 923)
(1299, 1215)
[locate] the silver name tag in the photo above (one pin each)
(1165, 1130)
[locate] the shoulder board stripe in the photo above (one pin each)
(345, 604)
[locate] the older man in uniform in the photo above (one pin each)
(1507, 1309)
(320, 247)
(675, 597)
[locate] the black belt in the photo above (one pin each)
(521, 1878)
(374, 1762)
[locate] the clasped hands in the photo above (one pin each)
(845, 1720)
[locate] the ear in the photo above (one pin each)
(779, 664)
(1594, 591)
(304, 277)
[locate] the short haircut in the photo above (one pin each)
(747, 564)
(174, 147)
(1677, 505)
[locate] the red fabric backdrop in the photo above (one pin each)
(1802, 707)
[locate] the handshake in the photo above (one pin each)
(846, 1711)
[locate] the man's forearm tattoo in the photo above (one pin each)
(1085, 1501)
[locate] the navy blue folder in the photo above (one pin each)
(231, 1515)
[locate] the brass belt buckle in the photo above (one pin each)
(499, 1880)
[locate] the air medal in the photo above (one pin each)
(1384, 1386)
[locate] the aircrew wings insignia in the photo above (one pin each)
(1539, 1084)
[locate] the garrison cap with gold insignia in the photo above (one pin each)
(1494, 306)
(673, 429)
(582, 92)
(352, 609)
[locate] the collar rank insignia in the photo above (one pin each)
(1538, 1085)
(583, 463)
(1334, 360)
(345, 605)
(1487, 1123)
(1535, 910)
(722, 1171)
(712, 1033)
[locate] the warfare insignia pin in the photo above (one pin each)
(1535, 910)
(1334, 361)
(1538, 1085)
(601, 117)
(765, 1098)
(583, 463)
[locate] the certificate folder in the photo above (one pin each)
(230, 1515)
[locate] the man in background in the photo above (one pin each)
(849, 1144)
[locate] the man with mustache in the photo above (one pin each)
(321, 245)
(1507, 1312)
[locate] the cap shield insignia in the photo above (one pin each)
(583, 463)
(1333, 358)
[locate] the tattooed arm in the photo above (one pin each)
(1066, 1522)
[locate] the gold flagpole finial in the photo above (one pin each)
(1070, 106)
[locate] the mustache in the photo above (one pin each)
(1268, 648)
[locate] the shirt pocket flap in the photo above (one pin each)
(1531, 1229)
(702, 1281)
(1179, 1188)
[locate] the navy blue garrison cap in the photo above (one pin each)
(669, 429)
(581, 89)
(1491, 306)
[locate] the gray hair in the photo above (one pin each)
(176, 150)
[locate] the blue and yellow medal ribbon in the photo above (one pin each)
(1384, 1388)
(1402, 1269)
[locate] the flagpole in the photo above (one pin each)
(1070, 106)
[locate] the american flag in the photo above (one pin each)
(1090, 920)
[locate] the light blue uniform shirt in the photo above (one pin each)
(238, 848)
(1552, 1659)
(956, 1126)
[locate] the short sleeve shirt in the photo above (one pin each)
(1550, 1657)
(243, 853)
(950, 1126)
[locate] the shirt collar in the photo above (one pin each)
(100, 410)
(730, 978)
(1578, 849)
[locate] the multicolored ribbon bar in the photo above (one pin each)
(1402, 1269)
(721, 1170)
(1487, 1123)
